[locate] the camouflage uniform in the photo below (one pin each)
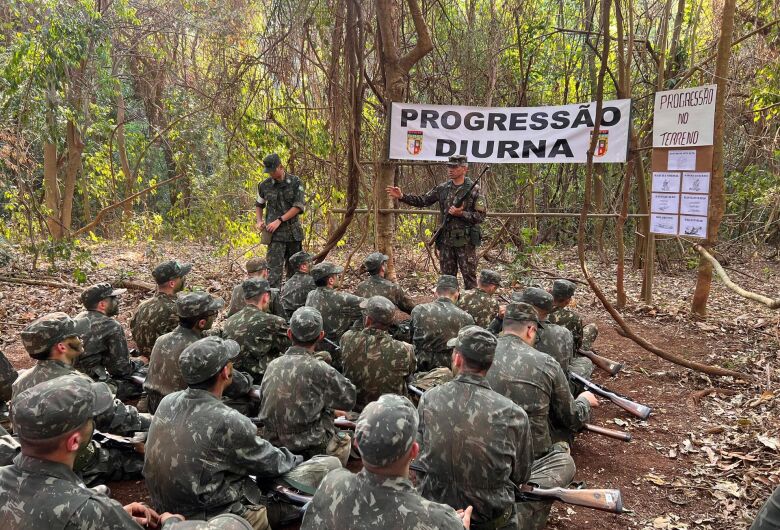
(584, 336)
(237, 300)
(557, 342)
(9, 448)
(368, 501)
(276, 198)
(295, 291)
(376, 285)
(482, 306)
(768, 517)
(153, 318)
(7, 376)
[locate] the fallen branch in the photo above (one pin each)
(44, 283)
(771, 303)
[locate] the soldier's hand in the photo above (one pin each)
(591, 397)
(501, 311)
(143, 515)
(394, 191)
(260, 225)
(457, 212)
(273, 226)
(465, 516)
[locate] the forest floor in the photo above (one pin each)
(705, 459)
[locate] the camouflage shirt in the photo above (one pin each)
(200, 453)
(536, 382)
(474, 446)
(367, 501)
(376, 363)
(557, 342)
(7, 376)
(153, 318)
(277, 197)
(105, 346)
(238, 302)
(480, 305)
(375, 285)
(433, 324)
(295, 290)
(299, 394)
(262, 338)
(9, 448)
(563, 316)
(340, 310)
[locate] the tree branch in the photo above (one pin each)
(424, 43)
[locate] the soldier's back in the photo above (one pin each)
(261, 337)
(295, 290)
(164, 375)
(433, 325)
(480, 305)
(375, 285)
(557, 342)
(44, 370)
(153, 318)
(563, 316)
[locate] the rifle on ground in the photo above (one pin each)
(608, 365)
(637, 409)
(600, 499)
(609, 433)
(457, 204)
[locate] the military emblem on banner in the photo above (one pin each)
(602, 143)
(414, 141)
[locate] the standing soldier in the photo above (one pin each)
(157, 315)
(255, 268)
(458, 242)
(377, 285)
(299, 285)
(283, 194)
(479, 302)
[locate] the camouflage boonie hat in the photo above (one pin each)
(255, 287)
(563, 289)
(520, 311)
(256, 264)
(374, 261)
(386, 429)
(170, 270)
(457, 160)
(325, 269)
(299, 258)
(58, 406)
(379, 308)
(197, 304)
(538, 298)
(306, 324)
(43, 333)
(204, 358)
(271, 162)
(476, 343)
(490, 276)
(95, 293)
(447, 281)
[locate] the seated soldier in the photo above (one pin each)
(299, 285)
(7, 377)
(480, 302)
(256, 268)
(340, 310)
(555, 341)
(768, 517)
(262, 336)
(536, 382)
(381, 496)
(377, 285)
(563, 315)
(299, 394)
(157, 315)
(435, 323)
(106, 356)
(200, 453)
(491, 451)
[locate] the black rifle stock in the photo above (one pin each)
(457, 204)
(600, 499)
(608, 365)
(637, 409)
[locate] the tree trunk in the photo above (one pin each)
(75, 146)
(121, 147)
(51, 188)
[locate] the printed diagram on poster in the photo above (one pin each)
(694, 204)
(665, 182)
(665, 203)
(682, 160)
(693, 226)
(696, 183)
(663, 224)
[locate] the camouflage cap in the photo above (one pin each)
(204, 358)
(95, 293)
(43, 333)
(170, 270)
(374, 261)
(489, 276)
(271, 162)
(386, 430)
(476, 343)
(520, 311)
(457, 160)
(563, 289)
(379, 308)
(256, 264)
(299, 258)
(197, 304)
(255, 287)
(306, 324)
(538, 297)
(325, 269)
(448, 282)
(58, 406)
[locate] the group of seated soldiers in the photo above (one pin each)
(238, 408)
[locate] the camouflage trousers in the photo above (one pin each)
(97, 464)
(554, 470)
(589, 334)
(464, 258)
(277, 255)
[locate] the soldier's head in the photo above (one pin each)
(54, 419)
(272, 165)
(472, 350)
(540, 299)
(447, 287)
(197, 310)
(257, 268)
(385, 435)
(55, 336)
(489, 281)
(301, 261)
(457, 165)
(376, 264)
(379, 312)
(170, 276)
(326, 274)
(207, 364)
(102, 297)
(521, 320)
(306, 327)
(562, 292)
(257, 292)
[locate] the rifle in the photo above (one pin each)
(601, 499)
(457, 204)
(294, 497)
(609, 433)
(415, 390)
(637, 409)
(608, 365)
(335, 346)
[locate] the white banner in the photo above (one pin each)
(508, 135)
(684, 118)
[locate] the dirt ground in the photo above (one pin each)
(705, 459)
